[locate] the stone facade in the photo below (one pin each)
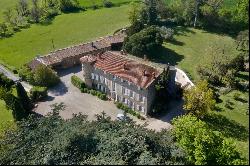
(131, 92)
(120, 90)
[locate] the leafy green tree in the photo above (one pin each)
(35, 11)
(23, 97)
(202, 145)
(217, 66)
(199, 99)
(53, 140)
(45, 76)
(144, 42)
(6, 82)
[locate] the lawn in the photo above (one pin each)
(64, 30)
(6, 118)
(186, 52)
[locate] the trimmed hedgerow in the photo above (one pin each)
(129, 110)
(77, 82)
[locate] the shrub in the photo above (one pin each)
(236, 96)
(37, 93)
(26, 74)
(102, 96)
(107, 4)
(45, 76)
(77, 82)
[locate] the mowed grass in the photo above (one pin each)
(90, 3)
(6, 118)
(64, 30)
(187, 52)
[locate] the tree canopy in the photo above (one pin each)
(53, 140)
(204, 146)
(144, 42)
(199, 99)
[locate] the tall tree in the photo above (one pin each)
(23, 97)
(199, 99)
(35, 11)
(22, 8)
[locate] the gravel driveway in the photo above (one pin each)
(77, 102)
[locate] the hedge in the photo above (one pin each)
(37, 93)
(77, 82)
(129, 110)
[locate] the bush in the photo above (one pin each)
(77, 82)
(45, 76)
(37, 93)
(26, 74)
(107, 4)
(236, 96)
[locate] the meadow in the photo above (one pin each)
(64, 30)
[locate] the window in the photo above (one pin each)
(142, 109)
(131, 93)
(102, 79)
(96, 77)
(106, 81)
(92, 76)
(126, 101)
(123, 90)
(127, 91)
(138, 107)
(140, 97)
(134, 94)
(144, 99)
(113, 86)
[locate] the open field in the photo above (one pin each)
(64, 30)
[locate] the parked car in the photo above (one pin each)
(121, 117)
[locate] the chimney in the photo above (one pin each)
(92, 44)
(122, 52)
(125, 66)
(144, 72)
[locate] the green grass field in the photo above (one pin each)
(64, 30)
(6, 118)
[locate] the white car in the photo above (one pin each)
(121, 117)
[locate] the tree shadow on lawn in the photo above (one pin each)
(182, 31)
(243, 76)
(165, 55)
(176, 42)
(229, 128)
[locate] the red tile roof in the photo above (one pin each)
(58, 55)
(116, 64)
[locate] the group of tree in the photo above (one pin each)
(34, 11)
(41, 76)
(145, 34)
(53, 140)
(221, 67)
(20, 105)
(207, 14)
(204, 146)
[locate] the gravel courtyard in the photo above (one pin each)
(77, 102)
